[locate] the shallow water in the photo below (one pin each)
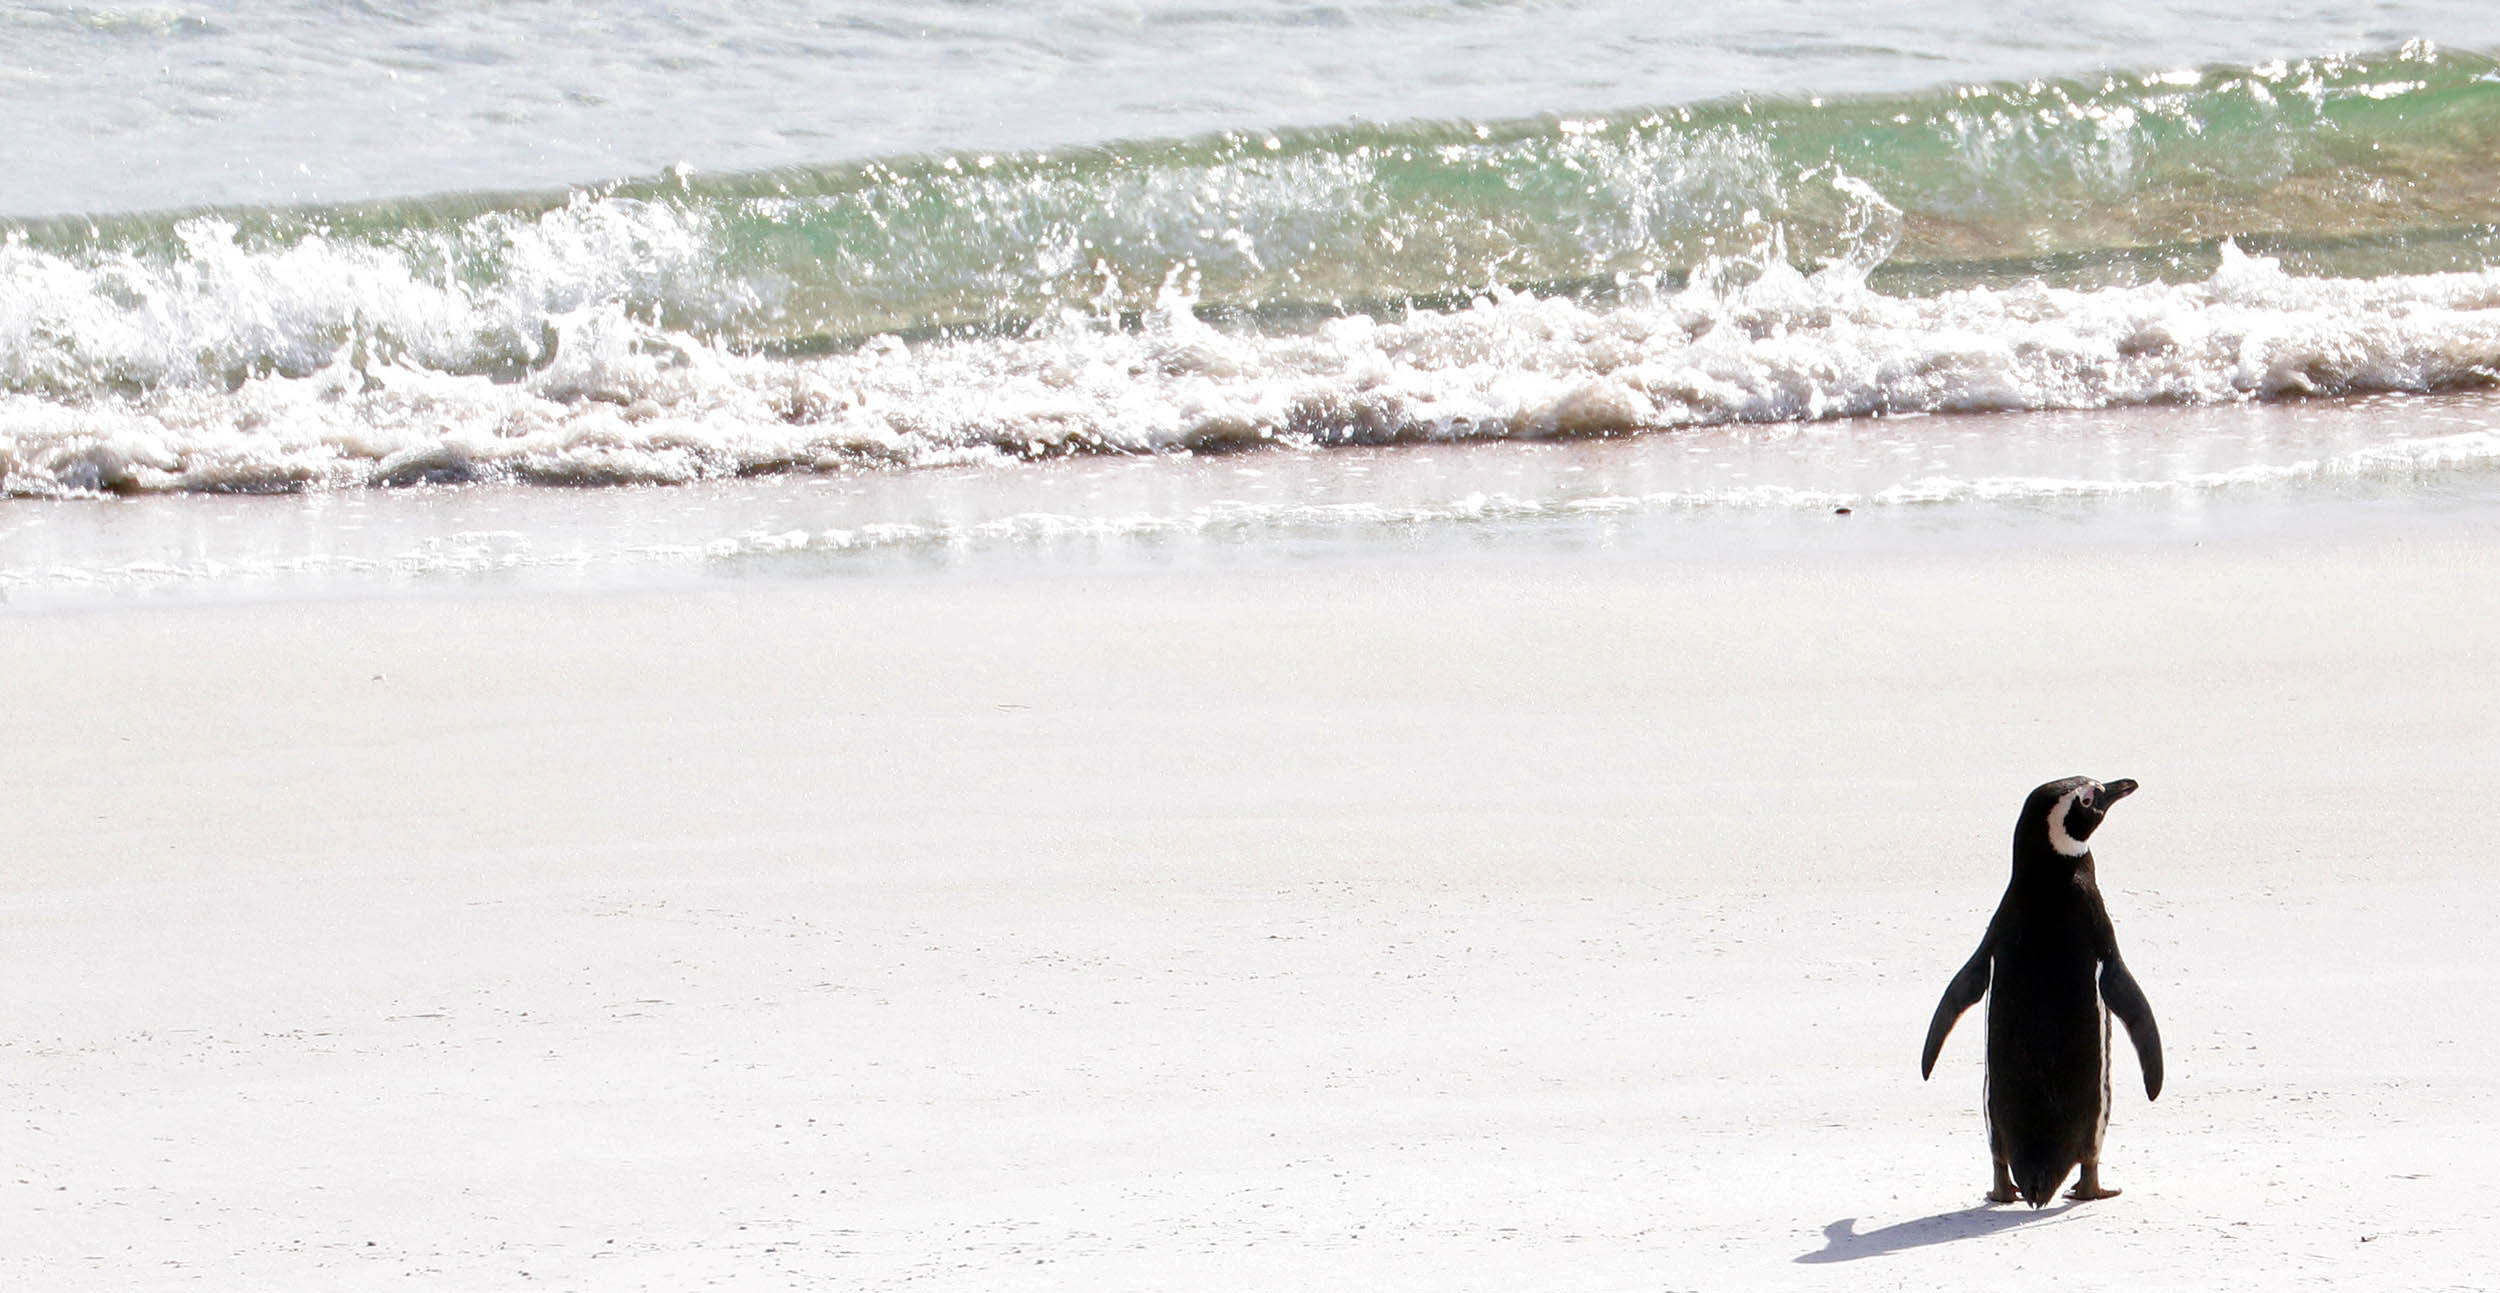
(2298, 473)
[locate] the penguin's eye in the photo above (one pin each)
(2084, 799)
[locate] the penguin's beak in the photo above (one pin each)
(2113, 791)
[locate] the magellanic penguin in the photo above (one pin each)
(2049, 966)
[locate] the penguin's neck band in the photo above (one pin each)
(2065, 844)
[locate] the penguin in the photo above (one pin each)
(2049, 966)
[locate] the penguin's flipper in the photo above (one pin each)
(2126, 1001)
(1968, 986)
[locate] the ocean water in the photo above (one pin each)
(300, 295)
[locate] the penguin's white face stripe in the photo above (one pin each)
(2064, 843)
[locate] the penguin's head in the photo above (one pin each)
(2068, 811)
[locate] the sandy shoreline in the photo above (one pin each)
(1452, 923)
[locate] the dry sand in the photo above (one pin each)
(1433, 924)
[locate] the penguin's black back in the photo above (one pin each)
(2050, 969)
(2048, 1038)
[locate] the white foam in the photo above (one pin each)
(477, 295)
(610, 398)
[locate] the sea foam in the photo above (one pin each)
(614, 398)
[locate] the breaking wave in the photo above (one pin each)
(2305, 228)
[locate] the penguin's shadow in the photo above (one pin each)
(1842, 1243)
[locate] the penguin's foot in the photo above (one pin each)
(2088, 1187)
(2002, 1190)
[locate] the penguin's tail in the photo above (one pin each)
(2038, 1180)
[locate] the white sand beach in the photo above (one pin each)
(1451, 922)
